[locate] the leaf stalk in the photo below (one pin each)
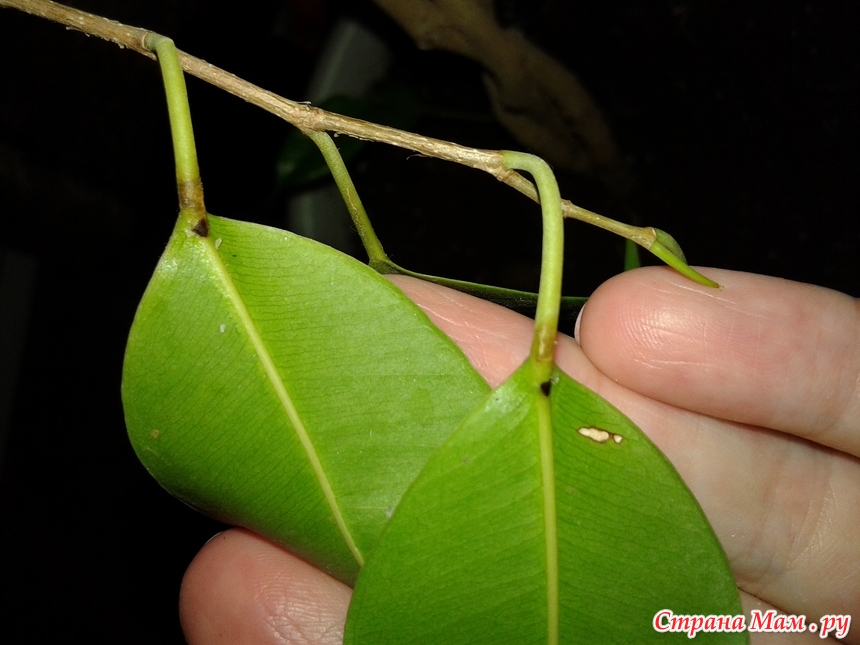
(552, 256)
(375, 253)
(184, 149)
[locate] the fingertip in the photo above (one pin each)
(618, 310)
(609, 328)
(652, 329)
(496, 340)
(760, 350)
(243, 589)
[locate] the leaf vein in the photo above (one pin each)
(283, 396)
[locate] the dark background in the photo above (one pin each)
(740, 124)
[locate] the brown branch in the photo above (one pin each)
(309, 118)
(538, 100)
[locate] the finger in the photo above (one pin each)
(762, 351)
(242, 589)
(784, 509)
(495, 340)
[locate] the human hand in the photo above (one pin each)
(752, 391)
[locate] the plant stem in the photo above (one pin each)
(552, 255)
(372, 245)
(184, 150)
(311, 119)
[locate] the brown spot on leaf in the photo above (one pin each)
(201, 227)
(545, 387)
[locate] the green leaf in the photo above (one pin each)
(276, 384)
(631, 256)
(509, 537)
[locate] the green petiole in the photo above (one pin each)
(188, 182)
(371, 243)
(549, 296)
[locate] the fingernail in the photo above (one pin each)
(576, 326)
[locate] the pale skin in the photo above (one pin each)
(752, 391)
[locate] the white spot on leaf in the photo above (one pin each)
(599, 435)
(595, 434)
(222, 328)
(218, 243)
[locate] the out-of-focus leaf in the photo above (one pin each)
(631, 255)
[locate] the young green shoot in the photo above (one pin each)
(667, 249)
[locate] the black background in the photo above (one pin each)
(739, 122)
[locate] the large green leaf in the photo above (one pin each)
(276, 384)
(543, 519)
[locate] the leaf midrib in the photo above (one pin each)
(283, 396)
(547, 460)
